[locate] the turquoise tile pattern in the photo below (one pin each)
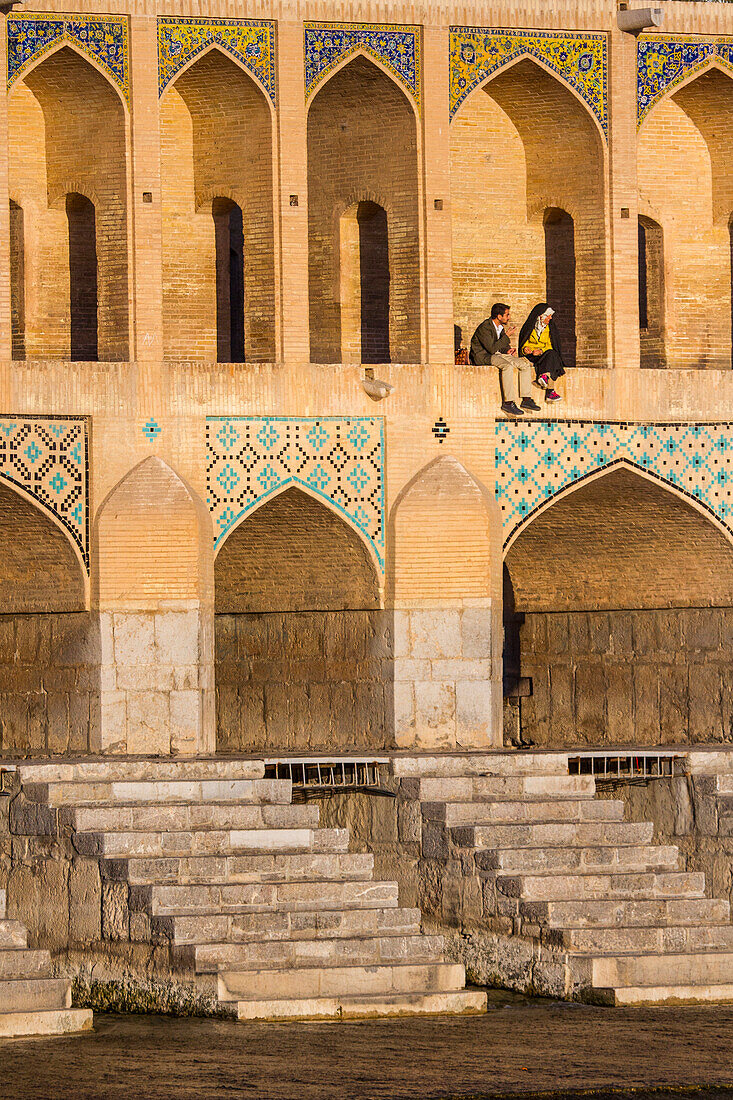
(536, 461)
(577, 58)
(340, 459)
(48, 458)
(664, 61)
(396, 47)
(103, 38)
(251, 42)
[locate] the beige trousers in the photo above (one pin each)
(516, 376)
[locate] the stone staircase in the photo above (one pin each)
(271, 912)
(32, 1000)
(559, 867)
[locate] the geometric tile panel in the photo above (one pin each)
(663, 61)
(47, 456)
(579, 59)
(102, 37)
(396, 47)
(339, 458)
(251, 42)
(536, 461)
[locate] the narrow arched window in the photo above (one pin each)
(17, 280)
(560, 275)
(651, 293)
(365, 284)
(83, 297)
(229, 235)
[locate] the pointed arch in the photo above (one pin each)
(690, 77)
(364, 100)
(72, 47)
(228, 55)
(152, 541)
(348, 59)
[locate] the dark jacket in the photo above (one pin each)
(485, 343)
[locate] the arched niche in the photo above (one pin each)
(303, 652)
(693, 206)
(511, 162)
(362, 146)
(68, 136)
(216, 144)
(625, 587)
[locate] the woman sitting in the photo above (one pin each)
(539, 342)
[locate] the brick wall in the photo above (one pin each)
(514, 154)
(216, 143)
(63, 106)
(362, 145)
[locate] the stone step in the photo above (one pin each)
(670, 995)
(471, 788)
(281, 867)
(134, 771)
(211, 842)
(456, 814)
(13, 1025)
(465, 1002)
(187, 818)
(21, 963)
(335, 981)
(286, 955)
(642, 911)
(13, 934)
(646, 940)
(278, 935)
(590, 834)
(272, 897)
(645, 857)
(488, 764)
(190, 791)
(34, 994)
(652, 884)
(704, 969)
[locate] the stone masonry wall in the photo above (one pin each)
(628, 677)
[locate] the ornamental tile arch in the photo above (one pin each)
(579, 59)
(664, 61)
(251, 42)
(340, 459)
(48, 457)
(103, 38)
(536, 462)
(396, 47)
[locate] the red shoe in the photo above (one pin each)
(552, 395)
(543, 381)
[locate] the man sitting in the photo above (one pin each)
(491, 346)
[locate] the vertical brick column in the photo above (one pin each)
(5, 329)
(438, 305)
(623, 195)
(146, 215)
(293, 180)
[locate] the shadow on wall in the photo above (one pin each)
(303, 650)
(627, 631)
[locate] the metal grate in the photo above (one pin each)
(617, 768)
(314, 776)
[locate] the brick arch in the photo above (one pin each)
(152, 541)
(372, 60)
(382, 156)
(72, 47)
(64, 104)
(218, 47)
(621, 538)
(216, 141)
(444, 536)
(509, 162)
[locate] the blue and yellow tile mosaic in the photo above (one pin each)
(47, 457)
(396, 47)
(103, 38)
(579, 59)
(251, 42)
(340, 459)
(536, 461)
(664, 61)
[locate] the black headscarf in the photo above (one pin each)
(526, 330)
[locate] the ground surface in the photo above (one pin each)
(517, 1048)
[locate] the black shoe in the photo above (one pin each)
(511, 408)
(528, 403)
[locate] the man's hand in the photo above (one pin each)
(510, 329)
